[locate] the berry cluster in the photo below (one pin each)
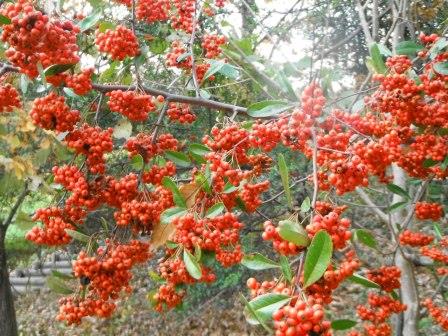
(81, 83)
(415, 239)
(301, 318)
(388, 277)
(181, 113)
(424, 210)
(250, 195)
(280, 245)
(257, 288)
(152, 10)
(346, 175)
(399, 63)
(144, 145)
(183, 19)
(131, 104)
(336, 227)
(157, 173)
(33, 38)
(440, 315)
(264, 136)
(211, 45)
(119, 43)
(51, 113)
(92, 142)
(178, 56)
(9, 98)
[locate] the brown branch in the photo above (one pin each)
(195, 101)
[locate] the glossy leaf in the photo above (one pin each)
(258, 262)
(78, 235)
(293, 232)
(215, 210)
(170, 214)
(365, 237)
(377, 59)
(91, 20)
(265, 305)
(409, 48)
(4, 20)
(318, 257)
(342, 324)
(306, 205)
(192, 265)
(363, 281)
(57, 69)
(286, 268)
(397, 190)
(284, 175)
(267, 108)
(137, 162)
(441, 68)
(177, 196)
(179, 158)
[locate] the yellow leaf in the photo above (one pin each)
(189, 192)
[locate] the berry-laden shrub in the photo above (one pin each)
(196, 200)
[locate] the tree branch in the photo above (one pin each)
(16, 206)
(372, 205)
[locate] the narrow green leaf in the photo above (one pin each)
(363, 281)
(179, 158)
(58, 286)
(57, 69)
(437, 47)
(342, 324)
(171, 245)
(252, 316)
(197, 252)
(137, 162)
(441, 68)
(377, 59)
(78, 235)
(267, 304)
(429, 162)
(177, 196)
(183, 57)
(229, 188)
(215, 210)
(365, 237)
(438, 230)
(91, 20)
(192, 265)
(293, 232)
(258, 262)
(24, 82)
(318, 258)
(398, 190)
(284, 175)
(397, 206)
(223, 68)
(4, 20)
(199, 149)
(170, 214)
(409, 48)
(286, 268)
(267, 108)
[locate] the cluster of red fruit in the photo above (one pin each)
(131, 104)
(51, 113)
(81, 83)
(119, 43)
(211, 45)
(388, 277)
(280, 245)
(145, 145)
(424, 210)
(178, 56)
(93, 142)
(157, 173)
(336, 227)
(415, 239)
(103, 277)
(181, 113)
(35, 39)
(9, 98)
(440, 315)
(152, 10)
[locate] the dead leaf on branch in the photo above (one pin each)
(189, 192)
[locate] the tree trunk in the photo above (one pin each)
(409, 293)
(8, 324)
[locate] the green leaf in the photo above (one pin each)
(215, 210)
(365, 237)
(123, 130)
(198, 149)
(170, 214)
(137, 162)
(444, 163)
(363, 281)
(204, 180)
(229, 188)
(265, 305)
(284, 175)
(252, 315)
(267, 108)
(24, 82)
(377, 59)
(105, 25)
(177, 196)
(91, 20)
(429, 162)
(385, 51)
(183, 57)
(78, 235)
(437, 47)
(57, 69)
(4, 20)
(398, 190)
(61, 275)
(180, 159)
(197, 252)
(438, 230)
(286, 268)
(171, 245)
(192, 265)
(318, 258)
(408, 48)
(342, 324)
(223, 68)
(441, 68)
(155, 277)
(258, 262)
(397, 206)
(40, 69)
(57, 285)
(293, 232)
(69, 92)
(306, 205)
(158, 45)
(24, 221)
